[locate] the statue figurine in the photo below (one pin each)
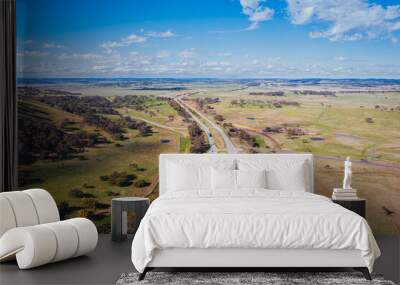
(347, 174)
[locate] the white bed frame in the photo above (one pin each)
(246, 258)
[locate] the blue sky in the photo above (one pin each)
(208, 38)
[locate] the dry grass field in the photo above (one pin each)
(331, 128)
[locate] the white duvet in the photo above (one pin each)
(250, 219)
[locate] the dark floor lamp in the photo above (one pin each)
(8, 98)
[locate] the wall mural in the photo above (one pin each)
(105, 88)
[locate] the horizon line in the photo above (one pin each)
(219, 78)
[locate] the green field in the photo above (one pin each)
(184, 144)
(136, 155)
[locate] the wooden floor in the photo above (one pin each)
(110, 260)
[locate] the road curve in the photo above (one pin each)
(176, 130)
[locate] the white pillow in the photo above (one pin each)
(188, 177)
(251, 179)
(223, 179)
(287, 175)
(293, 179)
(194, 174)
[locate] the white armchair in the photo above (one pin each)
(31, 230)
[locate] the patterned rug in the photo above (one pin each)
(243, 278)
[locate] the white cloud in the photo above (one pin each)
(53, 45)
(33, 53)
(109, 46)
(99, 67)
(28, 42)
(395, 26)
(84, 56)
(256, 12)
(186, 63)
(216, 64)
(145, 62)
(163, 54)
(138, 64)
(166, 34)
(340, 58)
(187, 53)
(133, 39)
(347, 19)
(224, 54)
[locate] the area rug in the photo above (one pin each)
(243, 278)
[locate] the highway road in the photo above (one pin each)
(206, 130)
(230, 147)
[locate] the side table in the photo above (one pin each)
(119, 215)
(357, 205)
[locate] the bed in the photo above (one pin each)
(247, 210)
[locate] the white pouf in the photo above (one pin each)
(31, 230)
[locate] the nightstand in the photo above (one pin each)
(119, 215)
(358, 206)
